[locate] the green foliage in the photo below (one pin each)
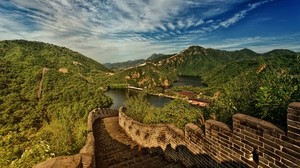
(262, 90)
(274, 94)
(63, 134)
(147, 76)
(261, 85)
(178, 112)
(34, 128)
(138, 107)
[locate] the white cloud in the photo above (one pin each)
(258, 44)
(238, 16)
(116, 30)
(171, 26)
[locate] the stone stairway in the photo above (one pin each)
(113, 148)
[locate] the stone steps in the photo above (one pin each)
(112, 153)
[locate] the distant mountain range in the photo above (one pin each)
(46, 91)
(131, 63)
(212, 65)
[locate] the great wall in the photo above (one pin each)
(251, 142)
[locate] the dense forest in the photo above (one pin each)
(45, 96)
(261, 85)
(46, 92)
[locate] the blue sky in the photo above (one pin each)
(120, 30)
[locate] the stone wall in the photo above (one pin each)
(86, 156)
(251, 142)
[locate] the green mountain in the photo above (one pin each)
(213, 66)
(193, 61)
(242, 81)
(46, 92)
(124, 65)
(154, 58)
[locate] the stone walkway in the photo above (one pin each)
(115, 149)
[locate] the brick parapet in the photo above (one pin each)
(251, 142)
(86, 156)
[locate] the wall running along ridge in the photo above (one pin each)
(86, 156)
(251, 142)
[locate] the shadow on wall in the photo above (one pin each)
(181, 153)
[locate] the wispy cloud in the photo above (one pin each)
(241, 14)
(258, 43)
(117, 30)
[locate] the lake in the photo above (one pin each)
(119, 96)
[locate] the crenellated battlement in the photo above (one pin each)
(251, 142)
(86, 157)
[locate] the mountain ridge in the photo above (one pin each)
(200, 61)
(46, 92)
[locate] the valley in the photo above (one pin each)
(45, 88)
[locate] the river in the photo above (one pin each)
(119, 96)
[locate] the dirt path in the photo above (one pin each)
(40, 85)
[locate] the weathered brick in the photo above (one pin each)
(241, 153)
(270, 143)
(274, 165)
(269, 148)
(292, 153)
(237, 141)
(239, 134)
(249, 147)
(250, 163)
(236, 146)
(262, 165)
(227, 137)
(280, 164)
(269, 158)
(289, 163)
(254, 142)
(236, 129)
(293, 123)
(221, 143)
(293, 111)
(224, 156)
(263, 160)
(293, 135)
(294, 130)
(293, 117)
(236, 121)
(250, 134)
(273, 155)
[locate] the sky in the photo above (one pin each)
(121, 30)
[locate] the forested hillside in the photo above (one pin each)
(193, 61)
(261, 85)
(46, 92)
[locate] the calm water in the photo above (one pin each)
(119, 96)
(189, 81)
